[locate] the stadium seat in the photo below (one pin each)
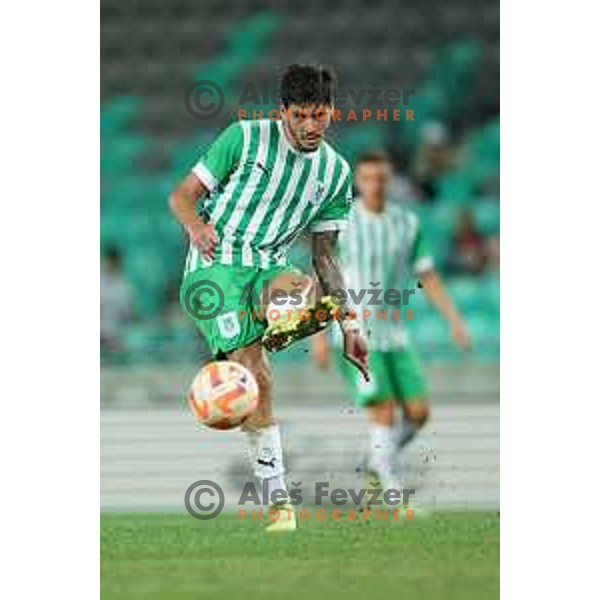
(485, 336)
(432, 336)
(458, 186)
(467, 293)
(360, 138)
(487, 216)
(117, 114)
(443, 215)
(423, 309)
(491, 297)
(485, 143)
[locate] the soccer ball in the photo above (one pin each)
(223, 394)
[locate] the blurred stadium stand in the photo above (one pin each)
(153, 51)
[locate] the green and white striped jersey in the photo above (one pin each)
(382, 251)
(264, 194)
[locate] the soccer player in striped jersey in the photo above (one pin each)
(260, 185)
(383, 248)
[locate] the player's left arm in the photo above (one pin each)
(435, 291)
(325, 228)
(329, 273)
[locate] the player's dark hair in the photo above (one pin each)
(307, 84)
(374, 156)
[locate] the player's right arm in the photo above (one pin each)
(211, 171)
(183, 202)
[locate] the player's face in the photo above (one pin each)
(372, 179)
(307, 125)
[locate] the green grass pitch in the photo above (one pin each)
(175, 557)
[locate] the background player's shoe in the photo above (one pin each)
(371, 482)
(284, 332)
(374, 481)
(286, 521)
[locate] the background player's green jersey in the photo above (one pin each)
(264, 193)
(382, 251)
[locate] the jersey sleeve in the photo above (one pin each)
(333, 215)
(220, 159)
(421, 258)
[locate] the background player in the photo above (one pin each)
(383, 245)
(267, 182)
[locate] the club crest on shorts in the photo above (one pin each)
(228, 324)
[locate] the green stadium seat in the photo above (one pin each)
(438, 238)
(146, 341)
(477, 296)
(430, 333)
(243, 47)
(138, 343)
(250, 38)
(468, 293)
(485, 335)
(491, 288)
(484, 145)
(487, 216)
(118, 155)
(117, 114)
(445, 214)
(355, 140)
(458, 186)
(150, 277)
(422, 307)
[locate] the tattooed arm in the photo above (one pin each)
(329, 273)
